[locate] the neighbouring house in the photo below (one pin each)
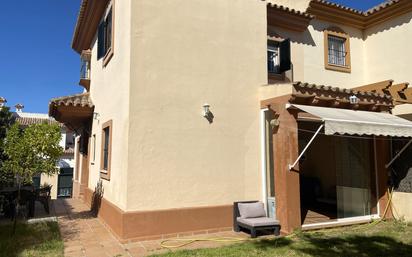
(62, 182)
(189, 106)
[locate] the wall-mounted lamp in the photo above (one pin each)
(207, 113)
(353, 99)
(274, 123)
(96, 116)
(206, 110)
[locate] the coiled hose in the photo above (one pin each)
(186, 241)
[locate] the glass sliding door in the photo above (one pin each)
(270, 172)
(355, 177)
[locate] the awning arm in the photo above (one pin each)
(398, 154)
(306, 148)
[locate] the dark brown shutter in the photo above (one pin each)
(284, 48)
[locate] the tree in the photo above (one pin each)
(32, 151)
(6, 120)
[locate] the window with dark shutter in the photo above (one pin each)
(108, 32)
(105, 36)
(100, 41)
(106, 149)
(106, 139)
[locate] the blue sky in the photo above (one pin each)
(37, 60)
(362, 5)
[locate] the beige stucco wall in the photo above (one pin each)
(50, 180)
(109, 92)
(388, 50)
(314, 63)
(388, 53)
(185, 54)
(402, 207)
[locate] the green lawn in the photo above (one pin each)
(34, 240)
(381, 239)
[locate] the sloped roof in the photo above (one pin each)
(27, 119)
(290, 10)
(338, 13)
(380, 6)
(77, 100)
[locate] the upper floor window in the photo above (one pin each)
(337, 50)
(273, 58)
(105, 35)
(278, 59)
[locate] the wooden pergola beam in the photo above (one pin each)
(377, 87)
(397, 93)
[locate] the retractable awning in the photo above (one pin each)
(352, 122)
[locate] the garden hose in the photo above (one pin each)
(186, 241)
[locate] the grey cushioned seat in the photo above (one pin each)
(251, 215)
(258, 222)
(251, 210)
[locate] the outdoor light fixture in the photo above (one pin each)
(274, 123)
(206, 110)
(96, 116)
(353, 99)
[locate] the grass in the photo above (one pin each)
(392, 238)
(40, 239)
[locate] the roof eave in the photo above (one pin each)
(87, 22)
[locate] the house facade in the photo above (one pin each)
(190, 106)
(62, 181)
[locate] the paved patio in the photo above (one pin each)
(85, 235)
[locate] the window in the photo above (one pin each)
(105, 36)
(273, 59)
(94, 148)
(278, 58)
(106, 149)
(337, 51)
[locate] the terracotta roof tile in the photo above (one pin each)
(80, 18)
(27, 121)
(381, 6)
(290, 10)
(81, 100)
(368, 12)
(339, 6)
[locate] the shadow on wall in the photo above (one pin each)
(320, 26)
(402, 168)
(295, 37)
(97, 198)
(393, 23)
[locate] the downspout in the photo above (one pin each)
(263, 161)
